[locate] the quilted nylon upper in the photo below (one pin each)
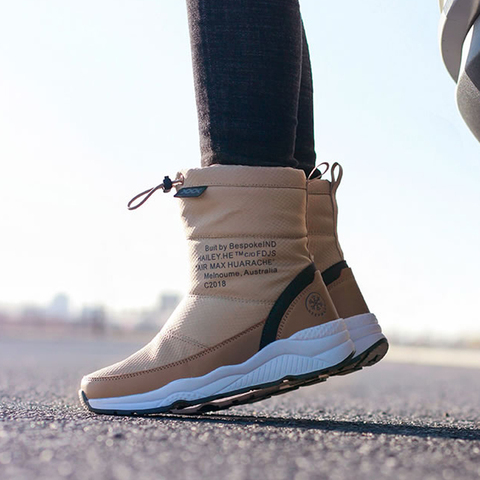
(247, 241)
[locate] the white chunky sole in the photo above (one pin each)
(371, 345)
(307, 354)
(364, 331)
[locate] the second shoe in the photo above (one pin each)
(322, 214)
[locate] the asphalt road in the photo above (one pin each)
(388, 421)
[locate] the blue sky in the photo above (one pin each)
(97, 104)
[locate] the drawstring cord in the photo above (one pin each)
(166, 186)
(336, 173)
(318, 169)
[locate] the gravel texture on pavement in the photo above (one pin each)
(387, 421)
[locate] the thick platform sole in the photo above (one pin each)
(304, 357)
(371, 346)
(254, 396)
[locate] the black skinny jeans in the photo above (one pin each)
(253, 83)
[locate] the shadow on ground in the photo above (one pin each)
(362, 427)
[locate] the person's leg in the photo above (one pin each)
(247, 60)
(304, 142)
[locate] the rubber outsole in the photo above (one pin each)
(369, 357)
(267, 389)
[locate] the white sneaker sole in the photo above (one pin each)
(307, 354)
(371, 345)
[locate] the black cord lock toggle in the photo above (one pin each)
(166, 186)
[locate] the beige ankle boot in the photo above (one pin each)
(257, 311)
(322, 210)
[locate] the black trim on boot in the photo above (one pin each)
(296, 286)
(333, 273)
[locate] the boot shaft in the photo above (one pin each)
(322, 218)
(246, 230)
(249, 261)
(324, 246)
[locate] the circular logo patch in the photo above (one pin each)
(315, 305)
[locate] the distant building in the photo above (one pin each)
(167, 303)
(59, 308)
(155, 318)
(33, 315)
(94, 318)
